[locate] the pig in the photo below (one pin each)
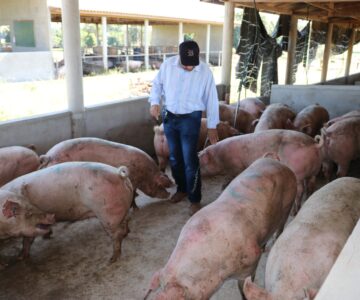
(311, 119)
(162, 148)
(16, 161)
(276, 116)
(244, 121)
(252, 105)
(301, 153)
(303, 255)
(144, 173)
(353, 113)
(341, 144)
(224, 239)
(80, 190)
(19, 218)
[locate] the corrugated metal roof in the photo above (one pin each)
(187, 10)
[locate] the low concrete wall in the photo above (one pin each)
(351, 79)
(126, 121)
(43, 131)
(26, 66)
(337, 99)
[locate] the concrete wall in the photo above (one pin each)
(127, 121)
(26, 10)
(43, 131)
(337, 99)
(168, 35)
(26, 66)
(351, 79)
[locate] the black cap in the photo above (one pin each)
(189, 53)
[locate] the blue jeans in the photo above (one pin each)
(182, 134)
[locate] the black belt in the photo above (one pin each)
(169, 113)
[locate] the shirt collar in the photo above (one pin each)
(178, 64)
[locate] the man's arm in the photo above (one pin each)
(155, 95)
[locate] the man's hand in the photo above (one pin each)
(213, 136)
(155, 111)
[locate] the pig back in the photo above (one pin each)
(267, 188)
(342, 139)
(74, 190)
(141, 166)
(303, 255)
(16, 161)
(276, 116)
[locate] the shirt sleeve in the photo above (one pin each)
(157, 88)
(212, 103)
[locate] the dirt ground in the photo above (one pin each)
(73, 264)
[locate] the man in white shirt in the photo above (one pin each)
(187, 88)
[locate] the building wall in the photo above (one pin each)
(27, 10)
(26, 66)
(167, 35)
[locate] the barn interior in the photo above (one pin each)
(73, 264)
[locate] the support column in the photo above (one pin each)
(97, 35)
(327, 52)
(127, 47)
(104, 43)
(208, 32)
(146, 42)
(181, 33)
(291, 50)
(73, 65)
(227, 42)
(350, 51)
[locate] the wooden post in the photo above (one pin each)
(291, 50)
(327, 52)
(350, 51)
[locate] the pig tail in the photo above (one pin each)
(123, 171)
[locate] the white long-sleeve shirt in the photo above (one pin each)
(186, 91)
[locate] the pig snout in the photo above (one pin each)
(45, 223)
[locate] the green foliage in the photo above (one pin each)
(189, 36)
(113, 41)
(89, 40)
(56, 35)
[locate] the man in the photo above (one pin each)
(187, 87)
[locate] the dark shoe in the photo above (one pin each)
(177, 197)
(194, 207)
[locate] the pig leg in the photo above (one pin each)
(25, 251)
(310, 185)
(299, 195)
(117, 233)
(343, 168)
(162, 163)
(133, 203)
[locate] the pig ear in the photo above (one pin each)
(272, 155)
(44, 161)
(289, 124)
(10, 209)
(310, 293)
(163, 180)
(255, 122)
(253, 292)
(306, 129)
(154, 284)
